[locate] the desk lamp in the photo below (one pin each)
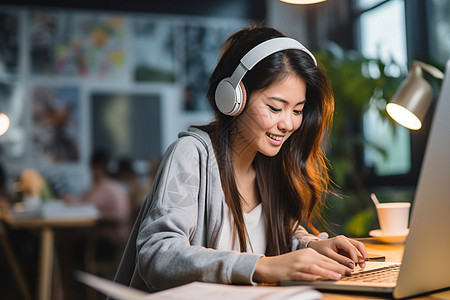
(410, 103)
(4, 123)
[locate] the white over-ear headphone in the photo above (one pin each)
(230, 93)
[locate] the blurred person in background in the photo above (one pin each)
(110, 198)
(134, 187)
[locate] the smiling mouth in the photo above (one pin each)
(274, 137)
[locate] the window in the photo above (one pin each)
(440, 30)
(382, 34)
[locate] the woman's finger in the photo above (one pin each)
(316, 272)
(337, 249)
(325, 263)
(354, 253)
(362, 250)
(305, 276)
(342, 260)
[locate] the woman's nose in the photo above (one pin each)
(285, 122)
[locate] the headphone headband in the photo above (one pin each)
(229, 96)
(269, 47)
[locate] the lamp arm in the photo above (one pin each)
(430, 69)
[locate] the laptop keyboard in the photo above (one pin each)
(384, 275)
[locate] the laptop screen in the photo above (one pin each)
(426, 263)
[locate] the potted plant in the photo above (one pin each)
(357, 82)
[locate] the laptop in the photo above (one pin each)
(425, 266)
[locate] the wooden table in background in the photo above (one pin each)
(46, 228)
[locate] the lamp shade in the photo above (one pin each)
(4, 123)
(410, 103)
(302, 1)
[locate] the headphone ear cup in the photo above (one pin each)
(230, 101)
(225, 97)
(244, 98)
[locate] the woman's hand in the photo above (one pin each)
(346, 251)
(304, 264)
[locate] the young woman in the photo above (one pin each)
(229, 198)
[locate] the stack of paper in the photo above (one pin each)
(60, 210)
(57, 209)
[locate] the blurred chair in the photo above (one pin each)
(103, 252)
(14, 264)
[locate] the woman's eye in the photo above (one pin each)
(273, 108)
(298, 112)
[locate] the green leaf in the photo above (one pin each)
(360, 224)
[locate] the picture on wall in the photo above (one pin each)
(9, 43)
(79, 45)
(55, 124)
(153, 51)
(127, 124)
(42, 40)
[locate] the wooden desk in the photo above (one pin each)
(46, 228)
(393, 253)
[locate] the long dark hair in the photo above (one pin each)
(290, 184)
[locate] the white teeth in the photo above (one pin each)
(274, 137)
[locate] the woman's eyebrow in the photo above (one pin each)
(285, 101)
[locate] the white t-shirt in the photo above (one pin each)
(256, 229)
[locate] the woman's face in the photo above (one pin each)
(272, 115)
